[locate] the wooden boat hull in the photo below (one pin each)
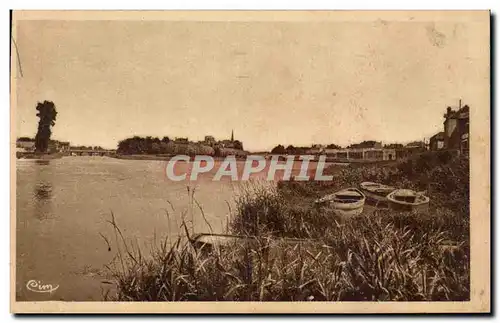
(207, 242)
(346, 212)
(374, 197)
(344, 208)
(421, 206)
(376, 200)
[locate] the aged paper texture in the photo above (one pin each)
(250, 161)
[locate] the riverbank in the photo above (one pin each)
(380, 256)
(159, 157)
(40, 156)
(282, 158)
(142, 157)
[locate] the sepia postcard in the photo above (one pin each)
(250, 162)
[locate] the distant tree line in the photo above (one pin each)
(143, 145)
(292, 150)
(333, 146)
(25, 139)
(419, 144)
(88, 147)
(394, 146)
(237, 145)
(156, 146)
(367, 144)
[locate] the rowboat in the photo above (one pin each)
(408, 200)
(347, 202)
(376, 193)
(208, 241)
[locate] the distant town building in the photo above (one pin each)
(56, 146)
(63, 146)
(394, 146)
(367, 144)
(416, 145)
(370, 154)
(436, 142)
(226, 143)
(232, 152)
(182, 146)
(456, 131)
(231, 143)
(25, 145)
(456, 128)
(209, 141)
(205, 150)
(181, 140)
(318, 149)
(327, 151)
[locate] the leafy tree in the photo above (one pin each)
(365, 144)
(153, 145)
(394, 146)
(217, 151)
(47, 114)
(280, 149)
(416, 144)
(238, 145)
(291, 150)
(155, 148)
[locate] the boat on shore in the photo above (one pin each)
(408, 200)
(346, 203)
(376, 193)
(209, 241)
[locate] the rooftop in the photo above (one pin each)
(462, 113)
(438, 136)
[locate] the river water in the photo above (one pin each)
(62, 209)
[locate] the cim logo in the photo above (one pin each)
(38, 287)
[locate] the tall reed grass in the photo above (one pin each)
(380, 256)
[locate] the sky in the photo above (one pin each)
(272, 82)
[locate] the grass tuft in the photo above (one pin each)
(382, 256)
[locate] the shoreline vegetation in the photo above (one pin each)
(180, 146)
(160, 157)
(39, 156)
(380, 255)
(240, 157)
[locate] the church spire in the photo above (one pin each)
(232, 135)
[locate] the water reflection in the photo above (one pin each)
(42, 191)
(42, 162)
